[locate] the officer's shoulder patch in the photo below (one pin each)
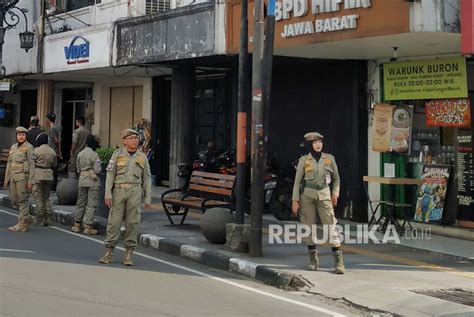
(110, 166)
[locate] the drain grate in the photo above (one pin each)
(455, 295)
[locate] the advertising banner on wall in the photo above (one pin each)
(427, 79)
(448, 113)
(392, 128)
(432, 194)
(400, 135)
(382, 127)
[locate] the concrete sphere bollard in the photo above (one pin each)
(67, 191)
(213, 224)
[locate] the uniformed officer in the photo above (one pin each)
(128, 183)
(88, 168)
(45, 162)
(313, 196)
(19, 176)
(78, 144)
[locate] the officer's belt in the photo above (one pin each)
(17, 164)
(85, 173)
(126, 185)
(43, 167)
(315, 186)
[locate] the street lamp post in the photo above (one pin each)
(10, 16)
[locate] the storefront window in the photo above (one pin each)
(438, 147)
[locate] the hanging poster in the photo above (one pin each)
(448, 113)
(400, 134)
(381, 127)
(432, 194)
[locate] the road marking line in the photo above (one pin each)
(9, 213)
(402, 260)
(291, 301)
(13, 250)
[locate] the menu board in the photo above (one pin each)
(465, 173)
(432, 194)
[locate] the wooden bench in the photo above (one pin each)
(205, 190)
(4, 154)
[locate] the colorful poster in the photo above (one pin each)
(428, 79)
(381, 127)
(432, 194)
(400, 134)
(448, 113)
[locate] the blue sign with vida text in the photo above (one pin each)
(78, 51)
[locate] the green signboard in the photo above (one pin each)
(427, 79)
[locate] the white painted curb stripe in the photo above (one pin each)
(243, 267)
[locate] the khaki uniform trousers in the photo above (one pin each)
(311, 208)
(126, 204)
(19, 195)
(87, 203)
(41, 191)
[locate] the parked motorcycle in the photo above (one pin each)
(281, 199)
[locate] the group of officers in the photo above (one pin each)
(128, 184)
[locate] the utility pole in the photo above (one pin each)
(242, 114)
(258, 135)
(261, 84)
(268, 63)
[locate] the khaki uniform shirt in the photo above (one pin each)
(317, 177)
(20, 165)
(88, 168)
(54, 132)
(45, 161)
(79, 137)
(126, 169)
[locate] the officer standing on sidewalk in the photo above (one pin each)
(312, 195)
(78, 144)
(45, 163)
(128, 183)
(88, 167)
(19, 176)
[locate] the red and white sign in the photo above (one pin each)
(448, 112)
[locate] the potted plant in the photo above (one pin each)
(105, 154)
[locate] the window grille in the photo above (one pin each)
(154, 6)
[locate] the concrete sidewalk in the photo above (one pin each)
(380, 279)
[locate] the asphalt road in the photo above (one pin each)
(54, 272)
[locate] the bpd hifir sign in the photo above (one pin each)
(78, 51)
(300, 22)
(429, 79)
(299, 8)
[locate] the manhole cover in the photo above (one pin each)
(455, 295)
